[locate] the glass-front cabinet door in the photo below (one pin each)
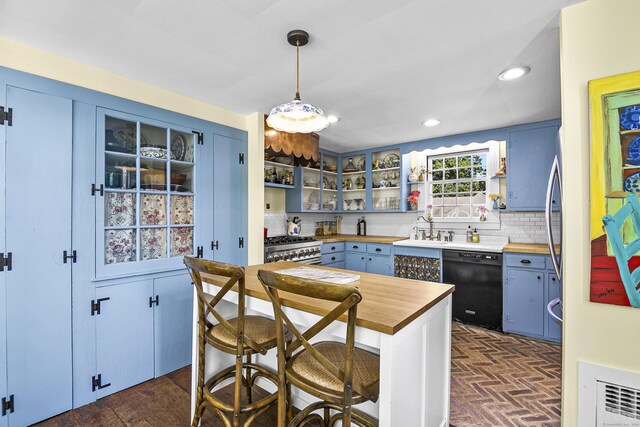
(386, 177)
(145, 217)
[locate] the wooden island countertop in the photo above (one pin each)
(388, 303)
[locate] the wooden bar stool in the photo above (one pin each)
(340, 374)
(240, 336)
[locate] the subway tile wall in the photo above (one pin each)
(521, 227)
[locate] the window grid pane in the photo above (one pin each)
(458, 184)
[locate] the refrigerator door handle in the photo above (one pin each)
(551, 306)
(554, 175)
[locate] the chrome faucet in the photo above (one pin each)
(430, 221)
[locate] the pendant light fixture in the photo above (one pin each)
(296, 116)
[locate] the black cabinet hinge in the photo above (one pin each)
(7, 405)
(6, 261)
(95, 189)
(6, 115)
(96, 383)
(214, 245)
(199, 252)
(154, 301)
(241, 158)
(95, 305)
(73, 257)
(241, 242)
(200, 136)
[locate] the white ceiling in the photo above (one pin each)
(382, 66)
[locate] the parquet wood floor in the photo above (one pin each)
(497, 380)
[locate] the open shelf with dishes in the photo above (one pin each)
(354, 183)
(329, 183)
(386, 179)
(279, 169)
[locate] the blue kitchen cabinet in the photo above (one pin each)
(143, 330)
(530, 153)
(524, 297)
(333, 255)
(380, 259)
(369, 258)
(528, 286)
(124, 336)
(356, 261)
(313, 189)
(172, 322)
(229, 241)
(35, 307)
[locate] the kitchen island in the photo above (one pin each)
(407, 322)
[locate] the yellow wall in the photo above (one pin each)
(598, 39)
(276, 198)
(26, 58)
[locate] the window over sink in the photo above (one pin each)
(459, 181)
(458, 184)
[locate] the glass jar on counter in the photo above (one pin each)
(319, 228)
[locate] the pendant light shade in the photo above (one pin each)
(297, 116)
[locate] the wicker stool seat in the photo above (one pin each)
(259, 329)
(241, 336)
(306, 372)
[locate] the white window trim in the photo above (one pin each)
(493, 185)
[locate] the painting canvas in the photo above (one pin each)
(615, 190)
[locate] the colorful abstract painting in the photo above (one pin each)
(615, 188)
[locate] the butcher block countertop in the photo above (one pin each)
(379, 310)
(529, 248)
(354, 238)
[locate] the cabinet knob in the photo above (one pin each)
(369, 259)
(539, 277)
(378, 250)
(333, 248)
(355, 247)
(553, 278)
(362, 258)
(333, 258)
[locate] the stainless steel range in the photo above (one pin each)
(304, 250)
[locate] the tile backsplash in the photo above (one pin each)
(521, 227)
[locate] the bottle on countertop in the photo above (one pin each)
(362, 227)
(475, 236)
(469, 235)
(358, 227)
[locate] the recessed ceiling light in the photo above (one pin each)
(514, 73)
(332, 118)
(431, 122)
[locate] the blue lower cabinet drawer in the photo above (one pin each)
(525, 260)
(336, 265)
(378, 249)
(328, 248)
(355, 247)
(331, 258)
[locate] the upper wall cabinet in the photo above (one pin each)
(530, 153)
(145, 208)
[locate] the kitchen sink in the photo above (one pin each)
(422, 243)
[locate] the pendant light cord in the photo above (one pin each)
(297, 98)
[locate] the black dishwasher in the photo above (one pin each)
(477, 277)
